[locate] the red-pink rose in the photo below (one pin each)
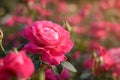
(76, 55)
(115, 54)
(111, 58)
(16, 65)
(10, 21)
(98, 30)
(50, 39)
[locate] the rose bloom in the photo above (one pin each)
(74, 20)
(49, 75)
(107, 4)
(98, 30)
(115, 55)
(16, 65)
(62, 7)
(86, 10)
(43, 12)
(49, 39)
(10, 21)
(100, 51)
(79, 29)
(115, 29)
(111, 58)
(76, 55)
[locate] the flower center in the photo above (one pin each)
(50, 34)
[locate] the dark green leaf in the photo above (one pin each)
(57, 69)
(69, 66)
(85, 75)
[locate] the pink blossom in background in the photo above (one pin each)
(11, 37)
(85, 11)
(50, 39)
(49, 75)
(115, 54)
(107, 61)
(100, 52)
(28, 20)
(63, 7)
(115, 29)
(93, 45)
(19, 9)
(88, 63)
(107, 4)
(74, 20)
(117, 4)
(19, 19)
(10, 21)
(44, 12)
(98, 30)
(111, 58)
(99, 49)
(76, 55)
(79, 29)
(44, 2)
(16, 65)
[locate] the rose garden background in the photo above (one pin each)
(59, 39)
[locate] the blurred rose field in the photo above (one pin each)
(59, 39)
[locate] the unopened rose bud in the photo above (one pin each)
(67, 26)
(1, 33)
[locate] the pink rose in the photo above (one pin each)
(107, 61)
(75, 19)
(10, 21)
(63, 7)
(115, 55)
(111, 58)
(99, 49)
(86, 10)
(98, 30)
(16, 65)
(50, 39)
(88, 63)
(76, 55)
(115, 29)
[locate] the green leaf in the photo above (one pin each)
(57, 69)
(1, 34)
(69, 66)
(41, 75)
(85, 75)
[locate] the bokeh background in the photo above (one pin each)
(91, 23)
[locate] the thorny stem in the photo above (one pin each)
(93, 70)
(93, 64)
(2, 48)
